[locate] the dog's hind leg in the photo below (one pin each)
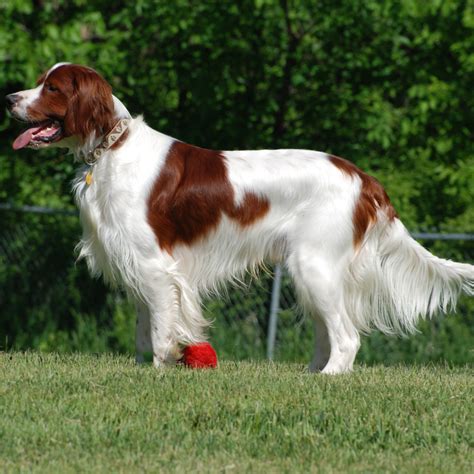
(344, 340)
(319, 285)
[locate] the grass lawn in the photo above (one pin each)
(69, 413)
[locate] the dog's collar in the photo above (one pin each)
(112, 137)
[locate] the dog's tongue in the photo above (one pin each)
(25, 138)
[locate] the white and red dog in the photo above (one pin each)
(170, 222)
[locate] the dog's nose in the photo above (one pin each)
(12, 99)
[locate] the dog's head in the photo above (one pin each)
(70, 101)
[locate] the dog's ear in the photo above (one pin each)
(90, 108)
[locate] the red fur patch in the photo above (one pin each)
(372, 197)
(192, 193)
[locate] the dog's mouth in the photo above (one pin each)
(39, 134)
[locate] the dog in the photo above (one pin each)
(169, 222)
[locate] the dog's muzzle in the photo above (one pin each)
(11, 100)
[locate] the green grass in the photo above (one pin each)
(69, 413)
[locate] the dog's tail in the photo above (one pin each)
(393, 281)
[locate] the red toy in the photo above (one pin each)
(200, 356)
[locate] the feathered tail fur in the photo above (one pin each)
(394, 281)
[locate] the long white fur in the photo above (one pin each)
(387, 283)
(393, 281)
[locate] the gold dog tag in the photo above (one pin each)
(88, 178)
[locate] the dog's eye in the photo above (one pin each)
(51, 88)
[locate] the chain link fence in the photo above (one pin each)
(46, 298)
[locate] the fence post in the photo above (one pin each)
(275, 305)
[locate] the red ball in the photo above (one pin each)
(200, 356)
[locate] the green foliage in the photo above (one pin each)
(81, 413)
(385, 83)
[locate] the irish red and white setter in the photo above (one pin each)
(170, 222)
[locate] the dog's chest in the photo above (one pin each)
(113, 220)
(112, 197)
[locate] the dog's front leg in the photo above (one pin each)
(163, 308)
